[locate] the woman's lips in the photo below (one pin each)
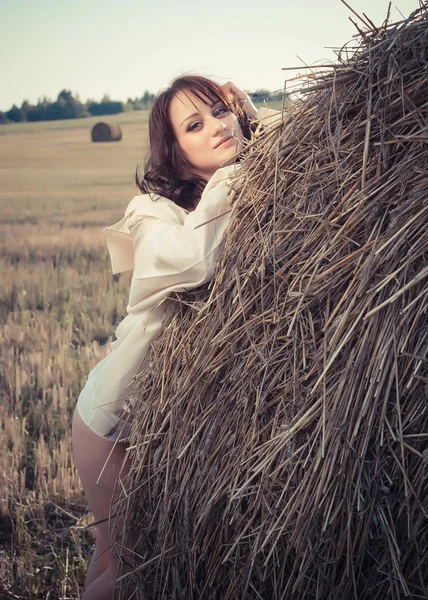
(224, 141)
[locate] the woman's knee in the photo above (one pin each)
(99, 461)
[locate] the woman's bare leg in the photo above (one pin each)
(99, 562)
(101, 588)
(93, 455)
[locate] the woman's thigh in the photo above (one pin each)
(99, 463)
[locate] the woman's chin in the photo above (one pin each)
(232, 154)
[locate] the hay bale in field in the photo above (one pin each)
(106, 132)
(279, 437)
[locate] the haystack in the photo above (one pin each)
(106, 132)
(280, 434)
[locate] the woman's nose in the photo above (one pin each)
(217, 125)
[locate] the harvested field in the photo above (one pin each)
(59, 307)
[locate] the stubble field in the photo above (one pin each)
(59, 307)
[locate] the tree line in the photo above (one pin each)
(67, 106)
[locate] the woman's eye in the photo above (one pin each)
(218, 111)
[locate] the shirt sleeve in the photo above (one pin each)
(172, 254)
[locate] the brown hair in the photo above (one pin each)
(167, 172)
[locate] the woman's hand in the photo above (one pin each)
(243, 98)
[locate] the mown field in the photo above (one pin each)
(59, 307)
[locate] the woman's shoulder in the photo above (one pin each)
(156, 206)
(151, 202)
(159, 207)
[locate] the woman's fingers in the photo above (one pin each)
(231, 87)
(243, 98)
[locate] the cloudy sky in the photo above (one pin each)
(122, 47)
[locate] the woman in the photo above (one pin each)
(170, 237)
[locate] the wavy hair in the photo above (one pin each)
(167, 172)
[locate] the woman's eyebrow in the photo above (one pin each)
(195, 114)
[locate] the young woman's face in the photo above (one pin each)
(208, 133)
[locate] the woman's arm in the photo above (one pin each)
(170, 255)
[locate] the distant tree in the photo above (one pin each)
(66, 97)
(105, 107)
(147, 98)
(66, 107)
(14, 114)
(38, 112)
(261, 95)
(25, 108)
(92, 106)
(132, 104)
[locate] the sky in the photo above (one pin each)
(123, 47)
